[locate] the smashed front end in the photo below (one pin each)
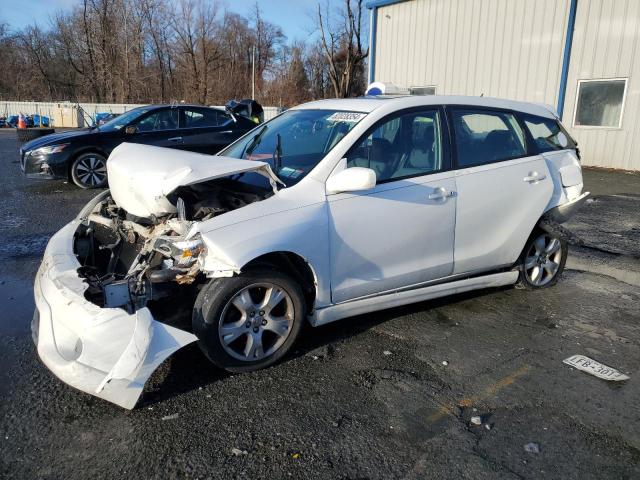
(114, 291)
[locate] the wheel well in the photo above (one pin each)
(291, 264)
(77, 154)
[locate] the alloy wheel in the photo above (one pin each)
(91, 171)
(256, 322)
(542, 262)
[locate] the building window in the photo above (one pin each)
(422, 90)
(600, 103)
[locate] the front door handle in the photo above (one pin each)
(441, 193)
(175, 139)
(534, 177)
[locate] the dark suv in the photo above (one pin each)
(81, 155)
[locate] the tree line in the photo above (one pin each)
(142, 51)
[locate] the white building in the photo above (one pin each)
(581, 56)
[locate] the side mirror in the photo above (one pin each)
(352, 180)
(131, 129)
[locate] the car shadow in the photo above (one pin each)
(188, 369)
(343, 329)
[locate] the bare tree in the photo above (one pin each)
(164, 50)
(195, 26)
(342, 44)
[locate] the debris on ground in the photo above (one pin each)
(321, 352)
(237, 452)
(295, 456)
(532, 448)
(476, 420)
(386, 352)
(170, 417)
(445, 363)
(597, 369)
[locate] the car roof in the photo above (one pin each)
(164, 105)
(368, 104)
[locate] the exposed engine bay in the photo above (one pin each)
(128, 260)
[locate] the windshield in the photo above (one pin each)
(294, 142)
(124, 119)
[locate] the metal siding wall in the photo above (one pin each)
(502, 48)
(606, 44)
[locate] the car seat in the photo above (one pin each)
(377, 156)
(421, 157)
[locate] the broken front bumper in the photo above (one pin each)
(102, 351)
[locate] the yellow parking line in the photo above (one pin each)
(488, 392)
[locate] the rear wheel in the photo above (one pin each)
(248, 322)
(542, 261)
(89, 170)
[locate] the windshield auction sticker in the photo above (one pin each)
(351, 117)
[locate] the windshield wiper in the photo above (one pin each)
(277, 155)
(250, 147)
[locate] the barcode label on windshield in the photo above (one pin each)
(351, 117)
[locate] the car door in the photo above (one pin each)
(503, 188)
(400, 233)
(208, 130)
(159, 127)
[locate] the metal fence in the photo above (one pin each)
(67, 114)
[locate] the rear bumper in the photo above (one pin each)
(102, 351)
(564, 212)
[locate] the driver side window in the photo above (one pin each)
(401, 146)
(166, 119)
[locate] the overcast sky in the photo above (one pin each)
(293, 16)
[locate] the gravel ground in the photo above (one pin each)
(385, 395)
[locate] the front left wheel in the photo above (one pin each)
(250, 321)
(89, 170)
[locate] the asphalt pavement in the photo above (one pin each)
(379, 396)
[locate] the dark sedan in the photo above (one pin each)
(81, 155)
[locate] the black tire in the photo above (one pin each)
(531, 263)
(217, 295)
(89, 170)
(26, 134)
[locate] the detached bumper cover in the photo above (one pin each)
(562, 213)
(102, 351)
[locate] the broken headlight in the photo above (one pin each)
(184, 252)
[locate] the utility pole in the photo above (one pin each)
(253, 72)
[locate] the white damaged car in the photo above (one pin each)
(332, 209)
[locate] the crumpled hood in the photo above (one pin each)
(141, 176)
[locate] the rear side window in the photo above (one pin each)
(484, 136)
(547, 134)
(203, 117)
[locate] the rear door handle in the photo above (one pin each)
(175, 139)
(534, 177)
(440, 193)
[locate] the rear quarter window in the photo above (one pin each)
(548, 135)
